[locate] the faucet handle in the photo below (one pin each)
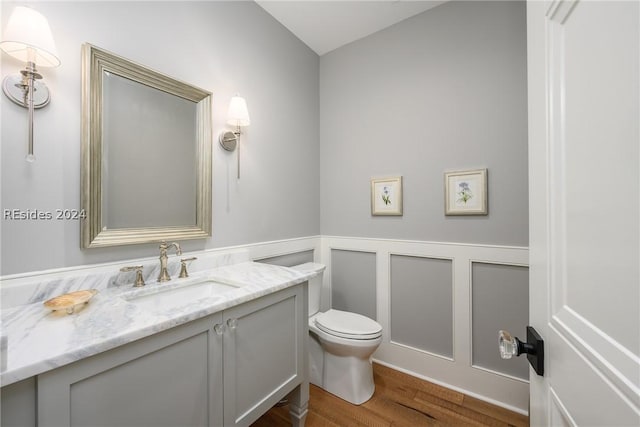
(138, 269)
(183, 268)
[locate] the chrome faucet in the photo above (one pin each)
(164, 274)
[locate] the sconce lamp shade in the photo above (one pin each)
(238, 114)
(28, 38)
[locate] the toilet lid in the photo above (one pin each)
(348, 325)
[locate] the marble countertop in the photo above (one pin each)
(39, 340)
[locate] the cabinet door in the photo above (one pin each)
(170, 379)
(263, 353)
(18, 403)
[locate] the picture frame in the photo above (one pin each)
(386, 196)
(465, 192)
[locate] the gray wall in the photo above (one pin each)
(353, 282)
(444, 90)
(224, 47)
(500, 300)
(422, 303)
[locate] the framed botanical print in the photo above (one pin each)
(465, 192)
(386, 196)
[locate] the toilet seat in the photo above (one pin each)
(348, 325)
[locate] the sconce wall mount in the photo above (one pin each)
(28, 38)
(229, 140)
(238, 115)
(16, 88)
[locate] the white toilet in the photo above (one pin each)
(340, 346)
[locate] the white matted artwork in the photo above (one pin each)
(386, 196)
(465, 192)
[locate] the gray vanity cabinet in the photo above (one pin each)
(226, 369)
(170, 379)
(264, 348)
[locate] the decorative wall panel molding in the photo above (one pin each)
(456, 372)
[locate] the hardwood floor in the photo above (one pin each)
(399, 400)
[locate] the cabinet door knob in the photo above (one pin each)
(232, 323)
(219, 328)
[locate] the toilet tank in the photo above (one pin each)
(315, 284)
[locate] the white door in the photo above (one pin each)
(584, 162)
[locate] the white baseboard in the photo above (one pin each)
(453, 387)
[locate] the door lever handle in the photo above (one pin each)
(534, 348)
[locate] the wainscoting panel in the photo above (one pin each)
(422, 303)
(398, 262)
(289, 260)
(499, 300)
(284, 250)
(353, 282)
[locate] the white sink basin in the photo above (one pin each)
(178, 297)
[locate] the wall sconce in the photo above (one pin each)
(28, 38)
(238, 115)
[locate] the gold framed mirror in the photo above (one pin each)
(146, 154)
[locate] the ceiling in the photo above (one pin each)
(327, 25)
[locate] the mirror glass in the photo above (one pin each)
(148, 156)
(146, 169)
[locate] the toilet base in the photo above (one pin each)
(342, 366)
(350, 378)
